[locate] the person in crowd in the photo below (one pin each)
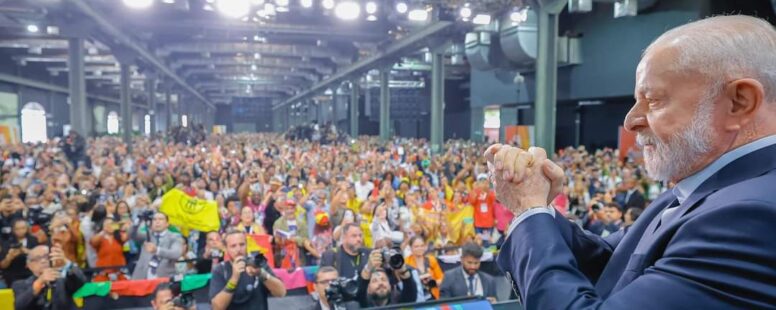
(163, 298)
(53, 282)
(614, 221)
(381, 228)
(705, 99)
(483, 199)
(632, 215)
(108, 244)
(427, 266)
(212, 253)
(320, 301)
(236, 284)
(350, 257)
(468, 280)
(161, 249)
(375, 288)
(15, 252)
(7, 216)
(291, 236)
(364, 187)
(631, 196)
(348, 217)
(248, 223)
(74, 147)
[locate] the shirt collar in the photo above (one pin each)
(687, 186)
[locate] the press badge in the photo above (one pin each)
(484, 208)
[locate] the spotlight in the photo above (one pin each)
(169, 1)
(371, 18)
(234, 8)
(481, 19)
(348, 10)
(269, 8)
(254, 67)
(327, 4)
(466, 12)
(519, 16)
(138, 4)
(281, 2)
(33, 28)
(306, 3)
(371, 7)
(401, 7)
(418, 15)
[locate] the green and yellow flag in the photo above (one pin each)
(190, 213)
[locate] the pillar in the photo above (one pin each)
(77, 83)
(353, 107)
(126, 111)
(385, 104)
(547, 75)
(437, 101)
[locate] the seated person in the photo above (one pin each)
(468, 280)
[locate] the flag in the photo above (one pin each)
(261, 243)
(461, 224)
(190, 213)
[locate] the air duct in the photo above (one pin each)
(261, 48)
(519, 40)
(319, 66)
(478, 48)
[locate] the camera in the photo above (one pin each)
(181, 299)
(256, 259)
(146, 216)
(341, 290)
(393, 258)
(597, 207)
(16, 245)
(40, 218)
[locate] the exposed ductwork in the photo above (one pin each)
(478, 50)
(519, 40)
(261, 48)
(248, 71)
(45, 44)
(271, 62)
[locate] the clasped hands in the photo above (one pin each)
(523, 179)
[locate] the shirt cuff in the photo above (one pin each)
(528, 213)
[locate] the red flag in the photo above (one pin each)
(262, 244)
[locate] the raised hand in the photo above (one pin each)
(519, 177)
(552, 171)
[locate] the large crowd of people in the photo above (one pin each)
(353, 207)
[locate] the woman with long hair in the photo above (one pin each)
(428, 268)
(109, 246)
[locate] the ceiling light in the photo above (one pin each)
(168, 1)
(282, 9)
(281, 2)
(139, 4)
(258, 2)
(481, 19)
(33, 28)
(52, 30)
(269, 9)
(371, 7)
(519, 16)
(208, 7)
(418, 15)
(401, 7)
(256, 56)
(210, 1)
(466, 12)
(234, 8)
(371, 18)
(327, 4)
(348, 10)
(254, 67)
(306, 3)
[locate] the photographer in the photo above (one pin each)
(211, 254)
(375, 288)
(164, 298)
(74, 147)
(246, 281)
(54, 281)
(328, 283)
(14, 252)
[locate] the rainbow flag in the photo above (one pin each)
(263, 244)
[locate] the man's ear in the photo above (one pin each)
(744, 99)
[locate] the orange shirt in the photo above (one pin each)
(110, 252)
(433, 268)
(484, 208)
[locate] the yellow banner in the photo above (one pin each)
(190, 213)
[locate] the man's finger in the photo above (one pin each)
(522, 164)
(498, 159)
(491, 152)
(539, 153)
(510, 159)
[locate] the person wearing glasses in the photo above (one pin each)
(323, 278)
(54, 280)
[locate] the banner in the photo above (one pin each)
(263, 244)
(190, 213)
(519, 136)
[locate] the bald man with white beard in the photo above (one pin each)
(705, 114)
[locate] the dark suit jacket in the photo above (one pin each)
(636, 200)
(714, 252)
(454, 284)
(61, 296)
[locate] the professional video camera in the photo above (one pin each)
(181, 299)
(256, 259)
(40, 218)
(393, 258)
(341, 290)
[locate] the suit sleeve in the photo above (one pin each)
(175, 250)
(716, 260)
(409, 291)
(445, 289)
(23, 295)
(591, 251)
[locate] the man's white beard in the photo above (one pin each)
(675, 157)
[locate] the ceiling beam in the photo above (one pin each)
(392, 51)
(119, 35)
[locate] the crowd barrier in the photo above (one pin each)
(137, 293)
